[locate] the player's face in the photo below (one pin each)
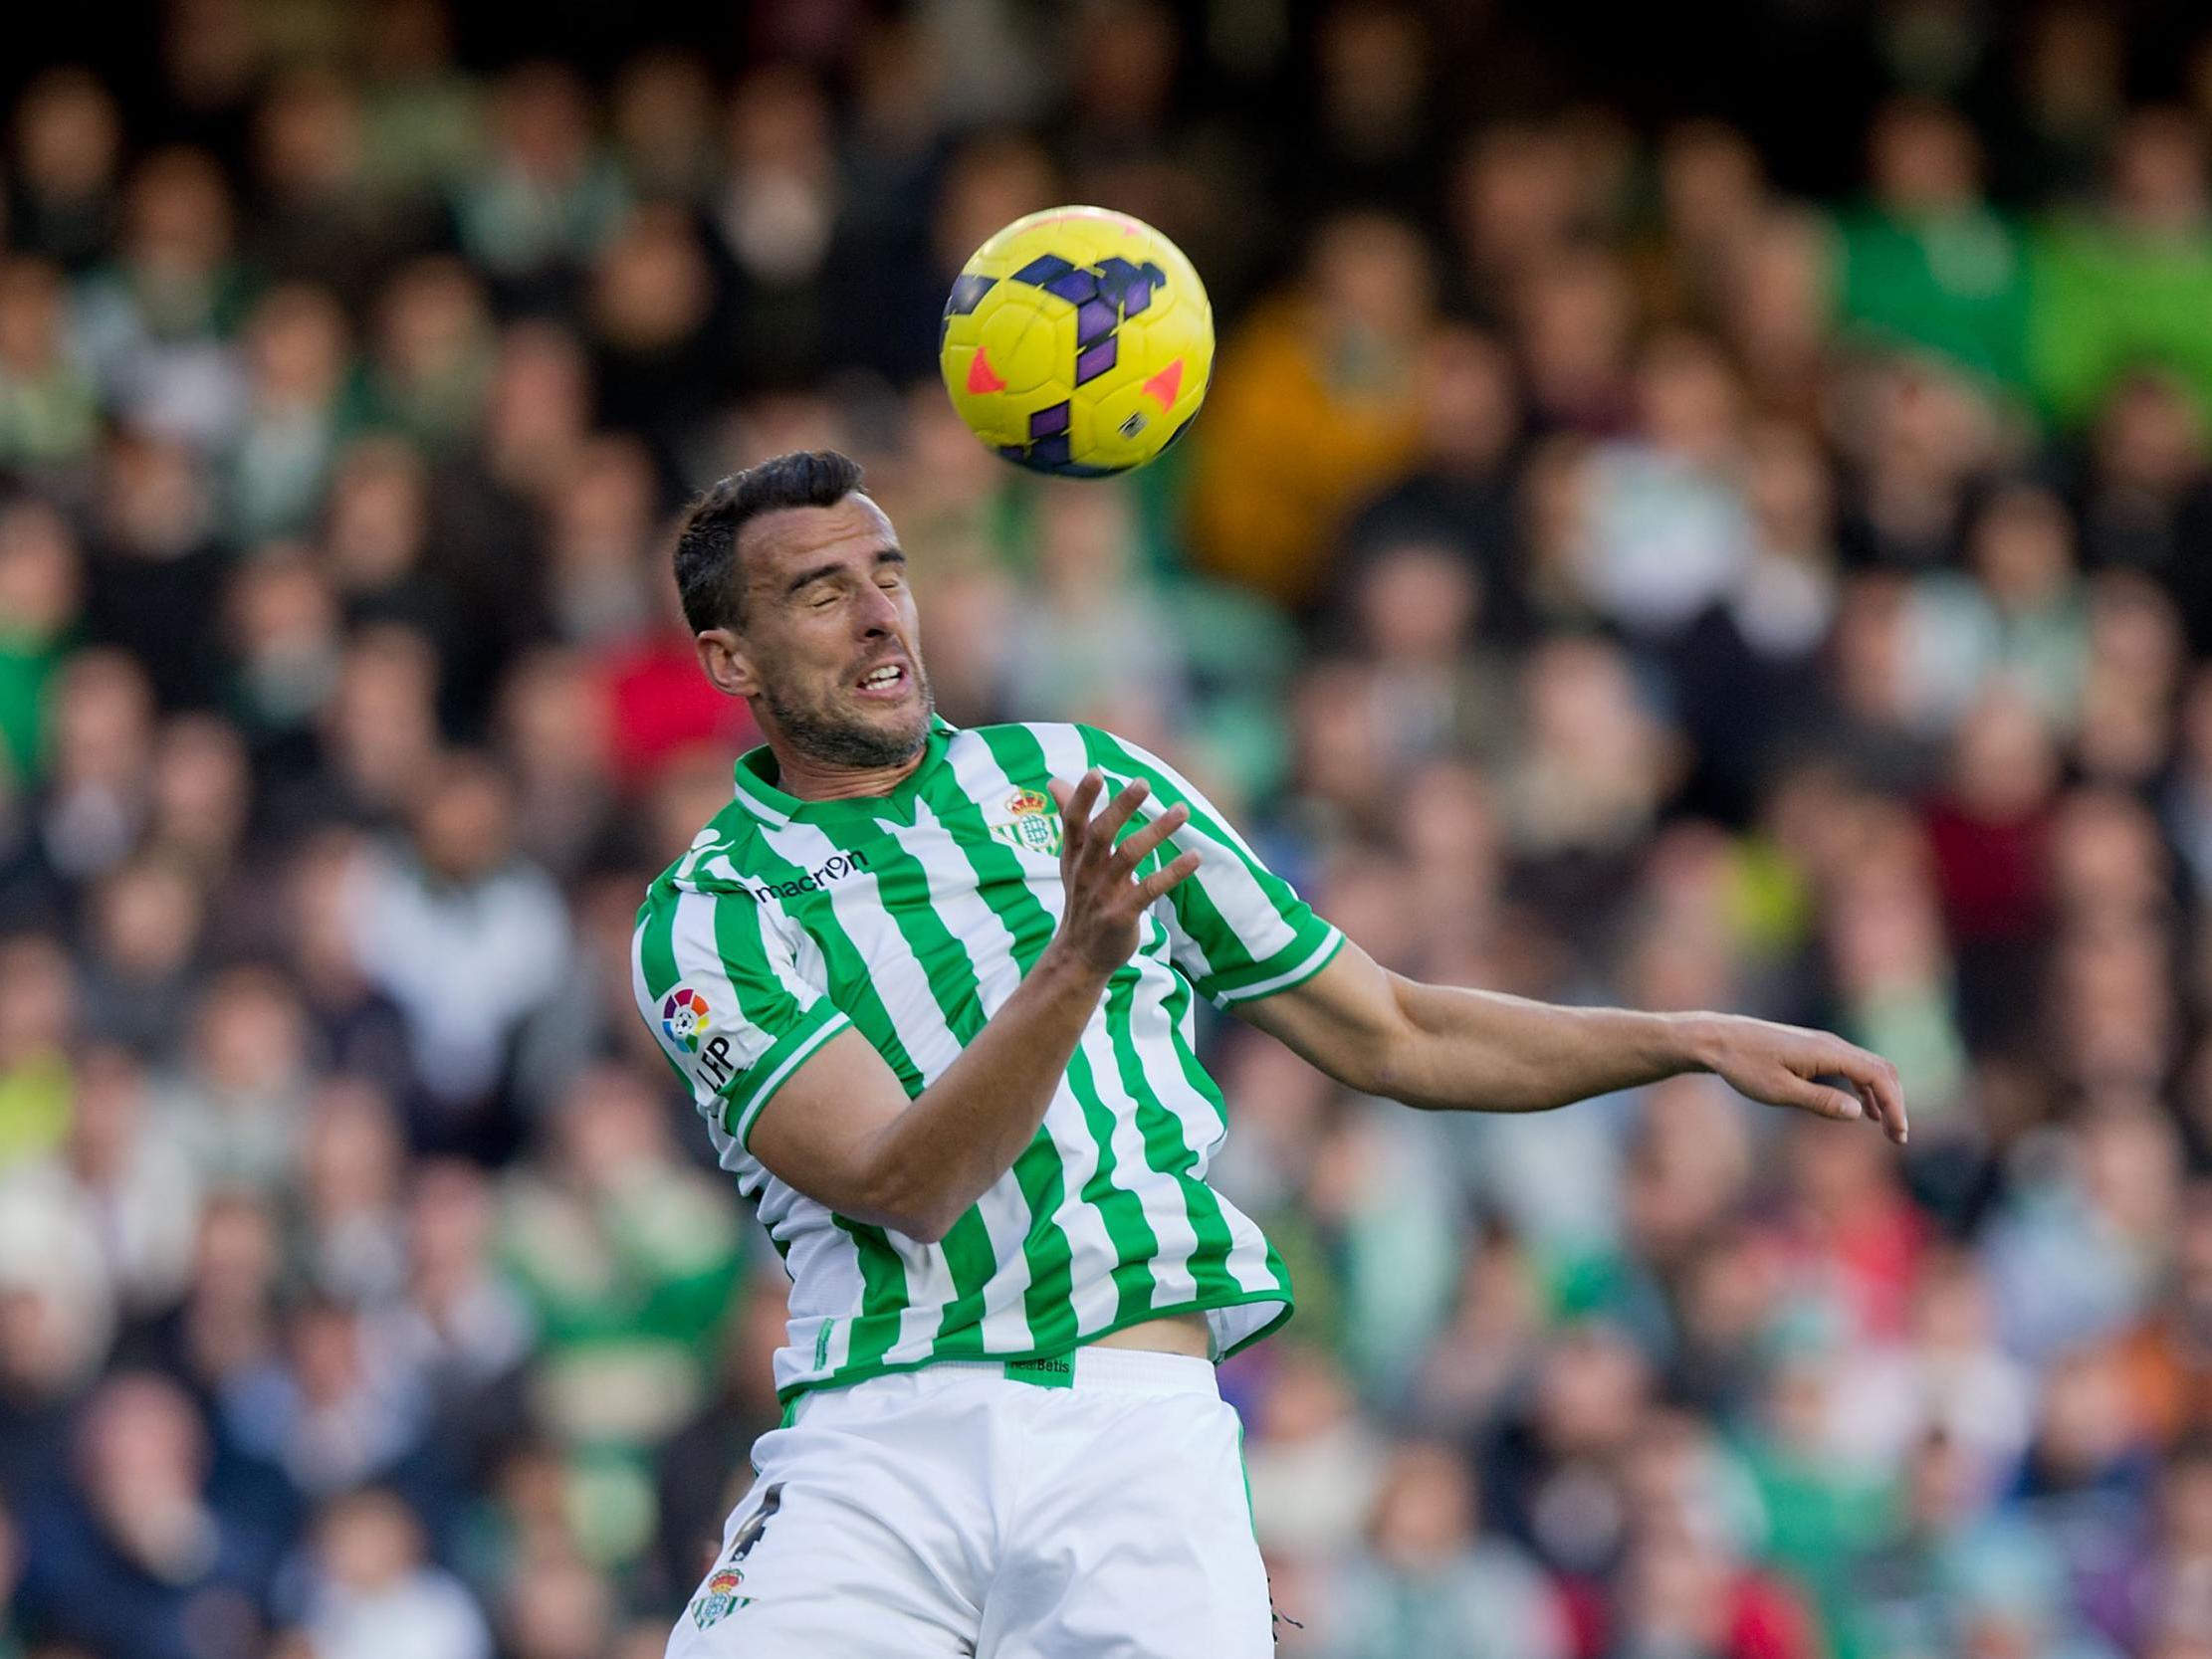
(830, 648)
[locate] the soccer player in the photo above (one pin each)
(932, 989)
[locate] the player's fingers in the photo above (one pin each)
(1071, 838)
(1083, 806)
(1121, 809)
(1166, 877)
(1074, 801)
(1871, 1106)
(1876, 1082)
(1099, 836)
(1136, 848)
(1788, 1089)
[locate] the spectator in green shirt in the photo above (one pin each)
(40, 593)
(1927, 262)
(2130, 286)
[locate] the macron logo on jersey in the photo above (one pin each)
(835, 870)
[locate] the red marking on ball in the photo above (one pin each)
(1166, 384)
(982, 377)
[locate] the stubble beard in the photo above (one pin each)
(830, 740)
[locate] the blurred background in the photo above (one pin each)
(1698, 510)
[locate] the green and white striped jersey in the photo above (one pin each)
(912, 916)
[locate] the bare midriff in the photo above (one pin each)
(1175, 1333)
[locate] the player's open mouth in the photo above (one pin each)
(887, 682)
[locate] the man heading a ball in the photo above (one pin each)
(936, 991)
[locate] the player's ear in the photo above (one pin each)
(722, 654)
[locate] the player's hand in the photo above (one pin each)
(1104, 897)
(1782, 1065)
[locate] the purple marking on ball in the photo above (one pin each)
(1129, 286)
(1042, 269)
(1095, 360)
(1076, 287)
(1094, 321)
(1046, 422)
(968, 292)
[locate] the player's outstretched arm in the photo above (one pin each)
(1452, 1049)
(841, 1131)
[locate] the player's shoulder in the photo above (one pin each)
(1051, 749)
(726, 857)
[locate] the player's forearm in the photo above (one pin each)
(1483, 1051)
(965, 1130)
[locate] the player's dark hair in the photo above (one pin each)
(707, 577)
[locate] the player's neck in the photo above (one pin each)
(813, 780)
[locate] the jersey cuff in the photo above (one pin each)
(748, 1094)
(1282, 971)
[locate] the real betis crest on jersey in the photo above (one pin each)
(1030, 825)
(717, 1599)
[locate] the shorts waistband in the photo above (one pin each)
(1120, 1369)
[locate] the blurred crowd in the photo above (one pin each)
(1607, 569)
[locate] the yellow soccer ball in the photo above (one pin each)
(1077, 341)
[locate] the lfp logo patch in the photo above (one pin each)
(719, 1598)
(684, 1018)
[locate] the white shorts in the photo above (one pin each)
(955, 1511)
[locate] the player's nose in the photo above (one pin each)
(875, 615)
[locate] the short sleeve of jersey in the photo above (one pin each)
(1237, 929)
(721, 993)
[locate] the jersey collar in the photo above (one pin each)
(758, 798)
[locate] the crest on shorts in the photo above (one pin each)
(719, 1597)
(1030, 824)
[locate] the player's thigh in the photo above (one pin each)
(1144, 1550)
(844, 1548)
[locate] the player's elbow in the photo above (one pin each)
(914, 1215)
(1364, 1067)
(1382, 1050)
(1362, 1053)
(925, 1226)
(921, 1229)
(902, 1202)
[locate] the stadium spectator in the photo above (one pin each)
(1927, 261)
(2118, 286)
(465, 939)
(41, 592)
(136, 1552)
(133, 1181)
(1318, 408)
(1431, 1582)
(374, 1593)
(49, 406)
(68, 153)
(226, 1325)
(623, 1253)
(458, 1321)
(239, 1098)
